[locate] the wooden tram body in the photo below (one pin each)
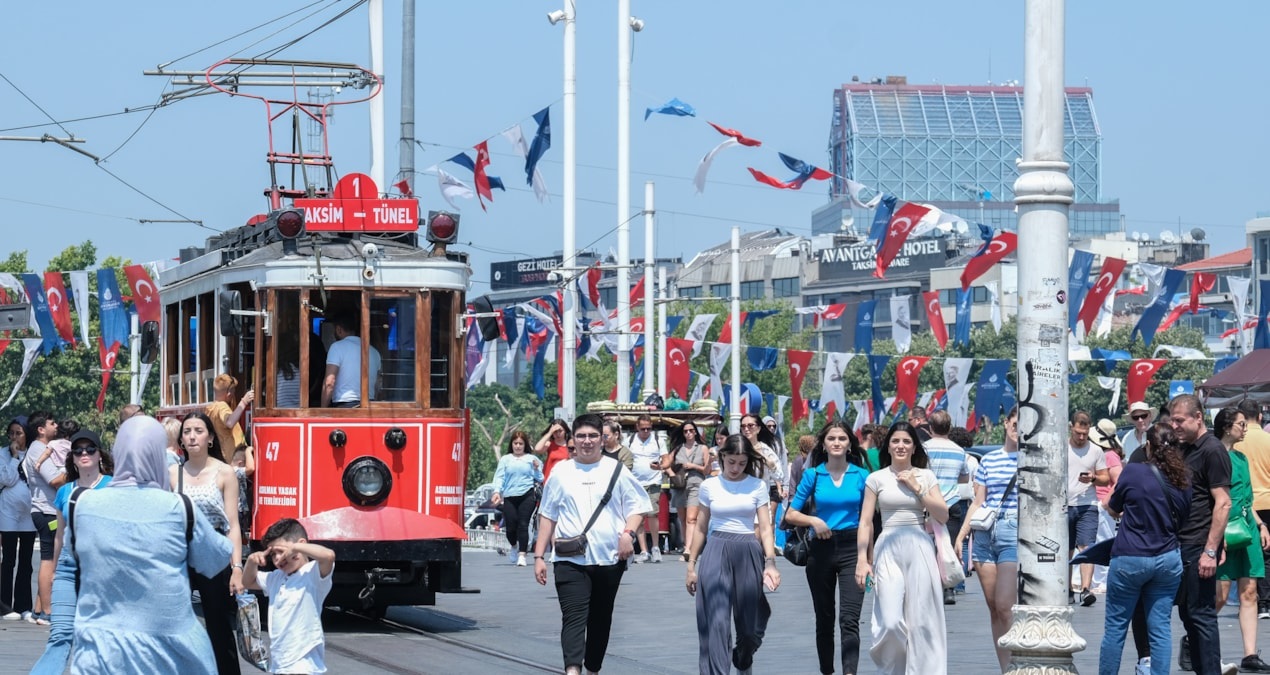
(381, 484)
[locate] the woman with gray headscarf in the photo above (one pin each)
(132, 558)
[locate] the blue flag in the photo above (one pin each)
(466, 162)
(1262, 339)
(542, 141)
(509, 324)
(762, 358)
(864, 326)
(637, 378)
(750, 317)
(877, 364)
(882, 218)
(43, 317)
(990, 392)
(1074, 378)
(1008, 399)
(1179, 387)
(961, 332)
(1154, 313)
(1110, 357)
(672, 107)
(1077, 284)
(1223, 362)
(672, 322)
(114, 318)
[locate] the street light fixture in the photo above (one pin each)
(637, 24)
(556, 16)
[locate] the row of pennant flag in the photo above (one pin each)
(52, 305)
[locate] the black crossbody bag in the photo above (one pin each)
(570, 547)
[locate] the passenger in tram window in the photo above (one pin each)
(342, 386)
(224, 418)
(244, 464)
(288, 377)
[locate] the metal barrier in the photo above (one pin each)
(486, 539)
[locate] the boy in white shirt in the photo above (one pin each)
(296, 590)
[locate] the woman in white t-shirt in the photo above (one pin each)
(735, 564)
(909, 635)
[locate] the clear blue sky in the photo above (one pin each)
(1180, 95)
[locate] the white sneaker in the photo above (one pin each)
(28, 617)
(639, 558)
(656, 555)
(1229, 669)
(520, 560)
(1143, 667)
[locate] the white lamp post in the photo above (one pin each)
(568, 378)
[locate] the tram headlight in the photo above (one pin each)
(367, 481)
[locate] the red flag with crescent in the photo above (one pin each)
(59, 306)
(478, 174)
(798, 363)
(725, 333)
(1111, 269)
(897, 231)
(144, 293)
(935, 316)
(1201, 282)
(907, 371)
(107, 357)
(1000, 246)
(637, 292)
(678, 374)
(1141, 374)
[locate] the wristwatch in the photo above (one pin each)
(630, 532)
(1211, 552)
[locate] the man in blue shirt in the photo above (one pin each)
(948, 462)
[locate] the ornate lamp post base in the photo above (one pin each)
(1042, 641)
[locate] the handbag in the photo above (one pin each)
(679, 481)
(984, 519)
(1240, 534)
(797, 546)
(571, 547)
(951, 573)
(251, 642)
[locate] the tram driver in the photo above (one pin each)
(342, 386)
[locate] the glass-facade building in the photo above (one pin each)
(955, 147)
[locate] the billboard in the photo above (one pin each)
(856, 261)
(519, 273)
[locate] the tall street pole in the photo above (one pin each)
(1042, 639)
(568, 367)
(650, 317)
(377, 102)
(406, 147)
(735, 408)
(624, 201)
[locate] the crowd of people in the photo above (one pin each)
(1172, 512)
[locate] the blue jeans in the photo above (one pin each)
(57, 651)
(1155, 581)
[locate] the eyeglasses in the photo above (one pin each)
(1241, 424)
(690, 431)
(751, 425)
(84, 450)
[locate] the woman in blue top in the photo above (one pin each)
(835, 486)
(1146, 562)
(518, 473)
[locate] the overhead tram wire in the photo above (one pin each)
(37, 106)
(167, 208)
(249, 30)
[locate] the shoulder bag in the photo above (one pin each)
(570, 547)
(984, 519)
(798, 539)
(1239, 532)
(951, 573)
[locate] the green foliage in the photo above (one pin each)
(498, 410)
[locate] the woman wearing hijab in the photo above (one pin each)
(132, 559)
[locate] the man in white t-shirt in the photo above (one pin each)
(647, 450)
(1140, 415)
(587, 582)
(342, 387)
(1086, 468)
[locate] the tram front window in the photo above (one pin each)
(392, 333)
(287, 342)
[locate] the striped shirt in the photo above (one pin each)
(994, 473)
(948, 461)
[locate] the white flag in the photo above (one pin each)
(79, 288)
(831, 388)
(1112, 383)
(861, 414)
(1076, 353)
(512, 349)
(697, 331)
(718, 356)
(31, 347)
(1179, 352)
(517, 140)
(451, 188)
(780, 410)
(1239, 296)
(901, 323)
(854, 188)
(491, 357)
(481, 367)
(956, 382)
(1105, 314)
(699, 180)
(702, 378)
(924, 399)
(994, 299)
(141, 386)
(1155, 278)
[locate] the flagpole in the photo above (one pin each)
(567, 369)
(406, 146)
(650, 317)
(734, 410)
(376, 8)
(134, 362)
(1042, 638)
(624, 201)
(661, 333)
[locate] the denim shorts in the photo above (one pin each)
(998, 545)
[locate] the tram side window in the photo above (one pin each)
(442, 326)
(392, 334)
(286, 342)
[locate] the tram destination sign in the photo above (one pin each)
(517, 273)
(859, 260)
(355, 206)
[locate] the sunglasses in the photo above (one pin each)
(84, 450)
(749, 426)
(1140, 417)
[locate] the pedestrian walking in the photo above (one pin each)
(729, 575)
(516, 483)
(828, 500)
(909, 635)
(553, 445)
(689, 464)
(17, 532)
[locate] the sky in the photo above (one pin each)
(1179, 92)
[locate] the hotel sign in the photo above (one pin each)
(518, 273)
(859, 260)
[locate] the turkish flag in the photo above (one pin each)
(935, 316)
(1000, 246)
(637, 292)
(798, 362)
(59, 305)
(404, 188)
(593, 285)
(833, 311)
(897, 231)
(1201, 282)
(478, 173)
(830, 410)
(678, 374)
(1141, 374)
(725, 333)
(1111, 269)
(907, 372)
(772, 181)
(107, 357)
(144, 294)
(740, 137)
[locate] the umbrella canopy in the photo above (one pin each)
(1249, 377)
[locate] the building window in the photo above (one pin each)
(608, 296)
(688, 292)
(721, 290)
(785, 288)
(752, 290)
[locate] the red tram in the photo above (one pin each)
(383, 483)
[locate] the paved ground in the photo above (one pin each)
(654, 629)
